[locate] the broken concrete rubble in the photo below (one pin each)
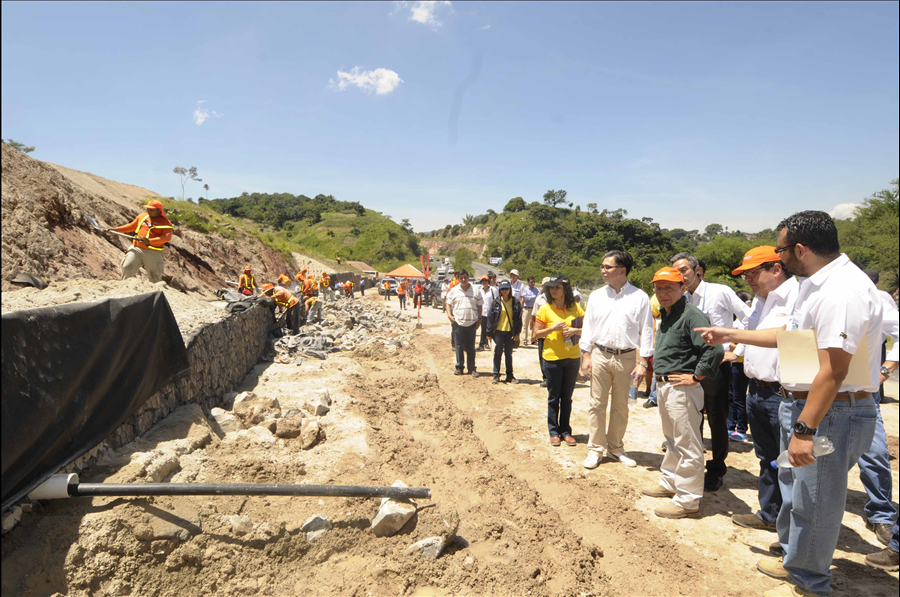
(318, 405)
(392, 514)
(223, 421)
(255, 410)
(315, 527)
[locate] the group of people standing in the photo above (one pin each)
(701, 331)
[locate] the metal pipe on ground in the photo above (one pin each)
(68, 486)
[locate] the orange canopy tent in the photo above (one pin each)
(405, 271)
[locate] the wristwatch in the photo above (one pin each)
(801, 428)
(695, 378)
(886, 372)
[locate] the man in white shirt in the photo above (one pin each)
(516, 284)
(488, 295)
(776, 290)
(722, 305)
(464, 312)
(617, 326)
(529, 295)
(837, 301)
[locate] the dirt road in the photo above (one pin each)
(532, 521)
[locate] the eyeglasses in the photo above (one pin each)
(780, 250)
(606, 268)
(752, 273)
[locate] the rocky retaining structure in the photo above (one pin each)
(220, 355)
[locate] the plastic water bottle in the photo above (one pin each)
(821, 446)
(632, 391)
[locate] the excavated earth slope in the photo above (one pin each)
(45, 232)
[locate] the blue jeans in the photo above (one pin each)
(464, 344)
(652, 396)
(737, 399)
(875, 474)
(894, 545)
(815, 495)
(561, 377)
(762, 413)
(503, 344)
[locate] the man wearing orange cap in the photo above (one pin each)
(722, 306)
(285, 300)
(152, 230)
(284, 281)
(681, 359)
(247, 285)
(776, 290)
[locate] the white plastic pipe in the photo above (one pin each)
(54, 488)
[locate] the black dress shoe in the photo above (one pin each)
(712, 483)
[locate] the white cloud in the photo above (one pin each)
(843, 211)
(201, 113)
(381, 80)
(485, 27)
(423, 11)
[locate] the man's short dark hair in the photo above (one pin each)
(702, 265)
(623, 259)
(873, 275)
(692, 261)
(815, 230)
(530, 279)
(462, 272)
(784, 269)
(744, 295)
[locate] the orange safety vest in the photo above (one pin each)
(285, 299)
(325, 281)
(402, 288)
(284, 279)
(145, 221)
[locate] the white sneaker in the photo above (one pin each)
(593, 460)
(625, 459)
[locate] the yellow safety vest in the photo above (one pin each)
(149, 228)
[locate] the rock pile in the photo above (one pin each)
(345, 325)
(262, 420)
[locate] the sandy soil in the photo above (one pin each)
(532, 521)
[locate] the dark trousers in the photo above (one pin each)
(541, 360)
(561, 376)
(762, 413)
(402, 301)
(387, 295)
(737, 399)
(417, 301)
(464, 342)
(503, 344)
(715, 401)
(484, 341)
(293, 319)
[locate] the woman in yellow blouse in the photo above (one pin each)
(559, 324)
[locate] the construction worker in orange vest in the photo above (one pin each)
(247, 285)
(152, 230)
(284, 281)
(325, 285)
(387, 290)
(313, 309)
(455, 281)
(310, 287)
(285, 301)
(401, 293)
(348, 288)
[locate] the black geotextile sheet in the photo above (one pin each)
(73, 373)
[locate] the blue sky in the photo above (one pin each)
(689, 113)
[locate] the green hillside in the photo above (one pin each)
(322, 226)
(541, 239)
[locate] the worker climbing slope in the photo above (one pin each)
(152, 230)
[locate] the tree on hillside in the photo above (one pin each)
(714, 230)
(555, 198)
(186, 174)
(206, 188)
(406, 225)
(463, 258)
(514, 205)
(871, 236)
(592, 207)
(21, 146)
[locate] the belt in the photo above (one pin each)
(614, 350)
(766, 384)
(664, 378)
(841, 396)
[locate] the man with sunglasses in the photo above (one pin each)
(776, 290)
(721, 304)
(838, 301)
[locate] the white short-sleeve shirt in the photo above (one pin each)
(719, 303)
(841, 304)
(774, 311)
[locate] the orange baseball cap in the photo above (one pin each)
(157, 205)
(756, 257)
(668, 274)
(248, 268)
(266, 287)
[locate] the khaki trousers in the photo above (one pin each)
(609, 373)
(526, 326)
(135, 257)
(682, 466)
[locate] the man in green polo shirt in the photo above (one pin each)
(680, 361)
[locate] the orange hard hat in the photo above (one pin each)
(668, 274)
(755, 257)
(266, 287)
(156, 204)
(247, 269)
